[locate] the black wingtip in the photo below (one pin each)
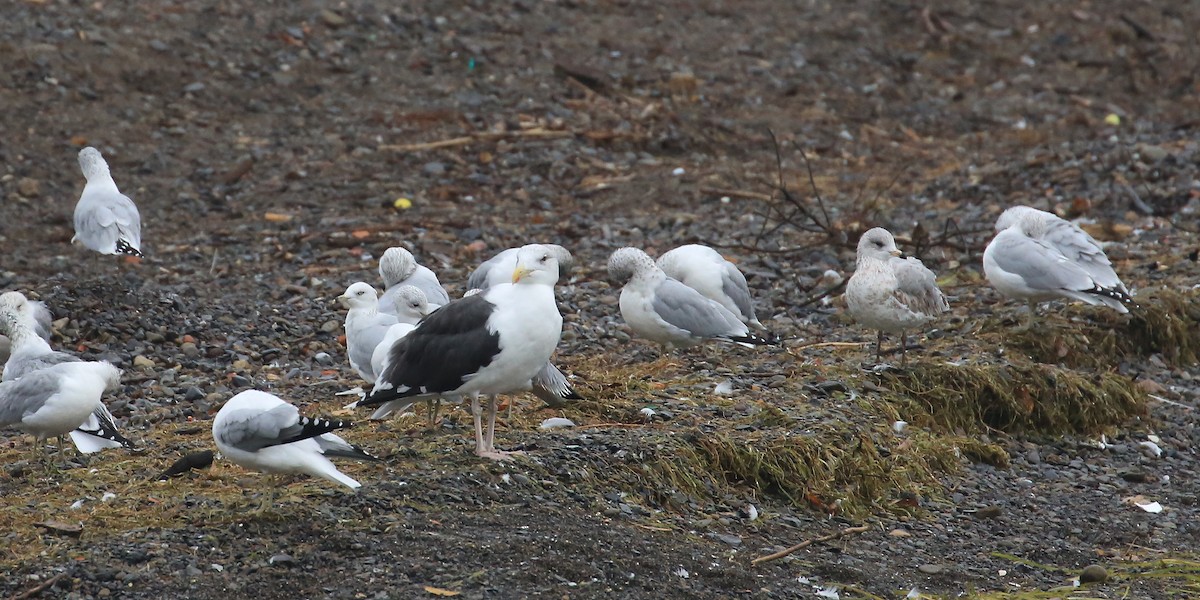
(570, 394)
(123, 247)
(312, 427)
(355, 453)
(1114, 294)
(753, 339)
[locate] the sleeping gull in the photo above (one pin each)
(56, 400)
(706, 271)
(487, 343)
(1037, 256)
(398, 267)
(663, 310)
(549, 384)
(891, 292)
(365, 326)
(30, 352)
(260, 431)
(106, 220)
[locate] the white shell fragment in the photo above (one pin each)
(556, 423)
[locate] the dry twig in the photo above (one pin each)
(41, 587)
(806, 543)
(481, 136)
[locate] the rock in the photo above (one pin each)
(282, 559)
(931, 569)
(332, 19)
(556, 423)
(323, 358)
(330, 326)
(193, 394)
(1093, 574)
(990, 512)
(141, 361)
(189, 349)
(29, 187)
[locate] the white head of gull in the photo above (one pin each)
(399, 267)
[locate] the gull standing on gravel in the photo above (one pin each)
(398, 267)
(56, 400)
(1037, 256)
(488, 343)
(19, 320)
(663, 310)
(365, 326)
(706, 271)
(41, 323)
(260, 431)
(106, 220)
(890, 292)
(549, 384)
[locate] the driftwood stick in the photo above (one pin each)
(41, 587)
(482, 136)
(806, 543)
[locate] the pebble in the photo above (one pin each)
(193, 394)
(931, 569)
(330, 326)
(732, 540)
(323, 358)
(141, 361)
(189, 349)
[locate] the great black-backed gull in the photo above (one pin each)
(488, 343)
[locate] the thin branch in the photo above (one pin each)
(802, 545)
(41, 587)
(482, 136)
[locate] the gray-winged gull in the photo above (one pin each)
(260, 431)
(663, 310)
(365, 326)
(19, 319)
(488, 343)
(398, 267)
(106, 220)
(1036, 256)
(706, 271)
(890, 292)
(56, 400)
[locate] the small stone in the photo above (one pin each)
(332, 19)
(189, 349)
(1093, 574)
(281, 559)
(142, 361)
(990, 512)
(434, 168)
(192, 394)
(899, 533)
(29, 187)
(323, 358)
(931, 569)
(239, 381)
(330, 326)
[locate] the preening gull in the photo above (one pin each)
(663, 310)
(398, 267)
(19, 319)
(42, 325)
(106, 220)
(706, 271)
(487, 343)
(1037, 256)
(260, 431)
(56, 400)
(549, 384)
(890, 292)
(365, 326)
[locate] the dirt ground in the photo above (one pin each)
(276, 149)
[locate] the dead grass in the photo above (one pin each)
(1017, 397)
